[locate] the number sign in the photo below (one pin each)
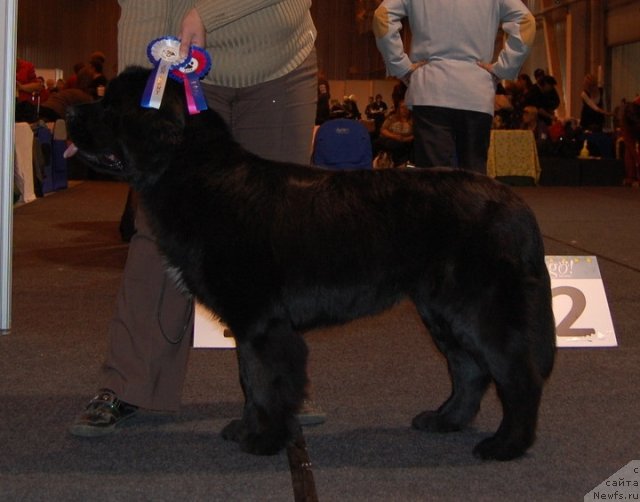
(580, 304)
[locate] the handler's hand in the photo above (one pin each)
(192, 32)
(406, 78)
(489, 67)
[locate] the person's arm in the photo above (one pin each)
(387, 23)
(592, 104)
(208, 15)
(35, 86)
(520, 26)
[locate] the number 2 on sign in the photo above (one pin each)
(578, 305)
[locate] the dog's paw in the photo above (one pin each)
(234, 431)
(264, 443)
(432, 421)
(494, 448)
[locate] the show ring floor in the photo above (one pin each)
(371, 376)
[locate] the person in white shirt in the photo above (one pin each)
(451, 79)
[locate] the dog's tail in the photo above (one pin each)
(544, 348)
(543, 341)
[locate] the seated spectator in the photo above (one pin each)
(396, 136)
(55, 107)
(72, 81)
(91, 78)
(532, 122)
(337, 110)
(503, 108)
(350, 106)
(376, 111)
(556, 130)
(43, 95)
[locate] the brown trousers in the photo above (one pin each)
(150, 335)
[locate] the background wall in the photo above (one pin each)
(574, 37)
(60, 33)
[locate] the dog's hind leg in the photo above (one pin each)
(469, 382)
(273, 378)
(519, 388)
(519, 348)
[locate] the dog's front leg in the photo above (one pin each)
(273, 378)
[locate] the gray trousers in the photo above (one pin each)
(150, 334)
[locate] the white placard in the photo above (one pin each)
(210, 332)
(580, 304)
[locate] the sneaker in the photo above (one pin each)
(310, 413)
(101, 416)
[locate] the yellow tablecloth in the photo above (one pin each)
(513, 153)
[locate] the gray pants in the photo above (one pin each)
(151, 332)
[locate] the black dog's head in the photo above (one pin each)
(118, 136)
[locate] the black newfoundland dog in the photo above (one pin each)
(276, 249)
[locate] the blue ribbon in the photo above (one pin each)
(164, 53)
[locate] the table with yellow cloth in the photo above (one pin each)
(513, 153)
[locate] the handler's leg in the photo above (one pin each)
(472, 133)
(274, 119)
(149, 341)
(434, 144)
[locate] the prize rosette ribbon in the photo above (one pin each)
(164, 53)
(190, 74)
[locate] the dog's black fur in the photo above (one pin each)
(277, 248)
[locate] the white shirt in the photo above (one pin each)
(453, 36)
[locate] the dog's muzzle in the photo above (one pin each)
(106, 162)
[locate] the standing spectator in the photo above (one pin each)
(593, 114)
(618, 114)
(451, 83)
(631, 137)
(544, 96)
(323, 109)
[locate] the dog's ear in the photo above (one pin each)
(148, 135)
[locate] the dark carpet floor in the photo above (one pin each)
(370, 376)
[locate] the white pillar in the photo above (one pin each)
(8, 17)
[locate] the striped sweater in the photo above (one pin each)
(250, 41)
